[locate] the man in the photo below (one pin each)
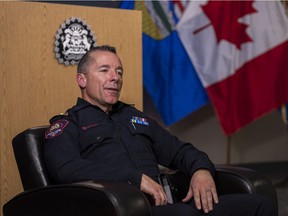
(102, 138)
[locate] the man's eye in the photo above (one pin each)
(120, 72)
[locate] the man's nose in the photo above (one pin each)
(114, 75)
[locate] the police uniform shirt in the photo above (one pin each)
(89, 144)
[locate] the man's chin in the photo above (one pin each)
(112, 101)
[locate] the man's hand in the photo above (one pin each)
(151, 187)
(202, 187)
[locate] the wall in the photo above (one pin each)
(264, 140)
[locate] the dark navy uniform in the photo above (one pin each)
(88, 144)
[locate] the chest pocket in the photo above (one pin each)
(93, 137)
(140, 131)
(141, 144)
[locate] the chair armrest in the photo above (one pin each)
(83, 198)
(233, 179)
(228, 179)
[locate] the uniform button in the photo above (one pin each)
(98, 137)
(129, 182)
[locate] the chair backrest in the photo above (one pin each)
(29, 154)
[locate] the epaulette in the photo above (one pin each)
(57, 117)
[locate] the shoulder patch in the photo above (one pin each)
(56, 129)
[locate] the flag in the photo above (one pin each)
(168, 74)
(239, 50)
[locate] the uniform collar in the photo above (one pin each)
(81, 104)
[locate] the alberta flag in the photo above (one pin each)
(240, 52)
(168, 74)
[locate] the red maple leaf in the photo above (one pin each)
(224, 16)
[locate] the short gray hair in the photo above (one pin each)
(86, 58)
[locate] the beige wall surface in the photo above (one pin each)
(34, 86)
(264, 140)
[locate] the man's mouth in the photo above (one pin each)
(112, 90)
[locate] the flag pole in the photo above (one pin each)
(287, 132)
(228, 153)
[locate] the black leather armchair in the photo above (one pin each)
(42, 197)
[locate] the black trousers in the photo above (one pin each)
(229, 205)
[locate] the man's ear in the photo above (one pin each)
(81, 80)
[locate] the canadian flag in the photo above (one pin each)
(240, 52)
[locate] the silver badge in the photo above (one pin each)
(73, 39)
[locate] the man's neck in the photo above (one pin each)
(106, 107)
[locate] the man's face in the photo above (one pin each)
(102, 82)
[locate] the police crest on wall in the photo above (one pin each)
(73, 39)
